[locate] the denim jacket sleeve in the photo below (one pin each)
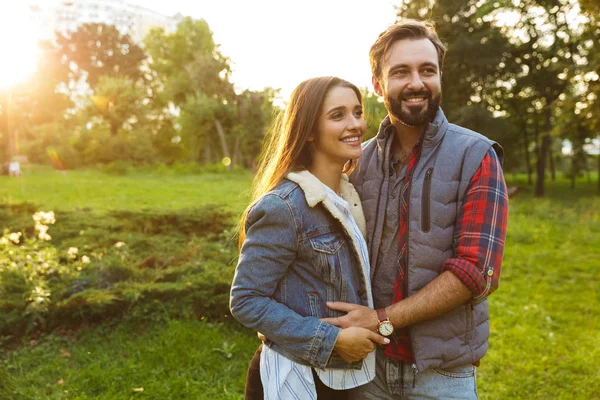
(270, 248)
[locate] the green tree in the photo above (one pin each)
(189, 72)
(118, 101)
(98, 49)
(375, 112)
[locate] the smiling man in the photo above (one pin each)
(436, 208)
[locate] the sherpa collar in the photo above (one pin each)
(315, 193)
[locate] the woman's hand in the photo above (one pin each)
(354, 344)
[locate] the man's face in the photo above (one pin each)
(410, 82)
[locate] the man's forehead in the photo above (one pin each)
(411, 51)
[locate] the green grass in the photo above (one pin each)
(92, 190)
(171, 359)
(545, 317)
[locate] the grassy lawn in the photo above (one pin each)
(169, 359)
(72, 190)
(545, 316)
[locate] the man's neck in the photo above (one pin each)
(406, 137)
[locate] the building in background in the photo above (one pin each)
(64, 16)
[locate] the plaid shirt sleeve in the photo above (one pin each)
(480, 235)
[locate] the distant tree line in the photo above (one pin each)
(523, 72)
(99, 97)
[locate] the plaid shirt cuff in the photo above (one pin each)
(468, 273)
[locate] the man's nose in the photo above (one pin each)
(416, 83)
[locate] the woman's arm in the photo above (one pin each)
(270, 248)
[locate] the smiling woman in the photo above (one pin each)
(18, 45)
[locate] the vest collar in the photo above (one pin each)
(434, 132)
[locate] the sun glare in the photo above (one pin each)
(18, 45)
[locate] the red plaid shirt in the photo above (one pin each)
(479, 239)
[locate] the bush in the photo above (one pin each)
(180, 263)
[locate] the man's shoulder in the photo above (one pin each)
(461, 132)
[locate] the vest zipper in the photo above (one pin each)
(425, 202)
(410, 338)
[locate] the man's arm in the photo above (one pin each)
(475, 270)
(439, 296)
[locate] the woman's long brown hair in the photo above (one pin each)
(287, 149)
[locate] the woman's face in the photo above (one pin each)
(341, 127)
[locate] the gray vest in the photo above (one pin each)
(450, 156)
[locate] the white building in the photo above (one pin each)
(64, 16)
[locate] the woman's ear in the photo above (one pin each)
(310, 139)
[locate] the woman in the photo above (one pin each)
(302, 244)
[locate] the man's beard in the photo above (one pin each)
(415, 116)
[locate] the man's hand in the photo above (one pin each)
(357, 315)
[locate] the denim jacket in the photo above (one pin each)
(297, 255)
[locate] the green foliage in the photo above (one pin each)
(118, 101)
(29, 267)
(375, 112)
(99, 50)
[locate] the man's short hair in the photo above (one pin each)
(407, 29)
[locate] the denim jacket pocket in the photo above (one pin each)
(326, 260)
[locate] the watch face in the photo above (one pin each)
(386, 328)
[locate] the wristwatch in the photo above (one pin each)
(385, 327)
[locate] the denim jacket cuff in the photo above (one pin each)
(323, 344)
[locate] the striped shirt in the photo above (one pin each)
(285, 379)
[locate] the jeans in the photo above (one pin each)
(397, 380)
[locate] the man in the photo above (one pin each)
(436, 208)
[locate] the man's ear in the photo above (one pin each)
(376, 86)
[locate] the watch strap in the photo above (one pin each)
(382, 315)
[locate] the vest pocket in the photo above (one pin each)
(425, 201)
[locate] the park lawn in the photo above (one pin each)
(168, 359)
(545, 324)
(96, 191)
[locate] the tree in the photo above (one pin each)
(190, 73)
(39, 100)
(118, 100)
(375, 112)
(98, 49)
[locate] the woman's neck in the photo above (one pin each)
(327, 172)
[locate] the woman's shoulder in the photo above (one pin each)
(284, 195)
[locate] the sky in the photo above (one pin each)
(270, 43)
(280, 43)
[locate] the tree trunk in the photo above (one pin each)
(114, 128)
(221, 133)
(540, 188)
(207, 153)
(236, 152)
(541, 166)
(573, 173)
(552, 166)
(527, 156)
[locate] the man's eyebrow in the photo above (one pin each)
(425, 64)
